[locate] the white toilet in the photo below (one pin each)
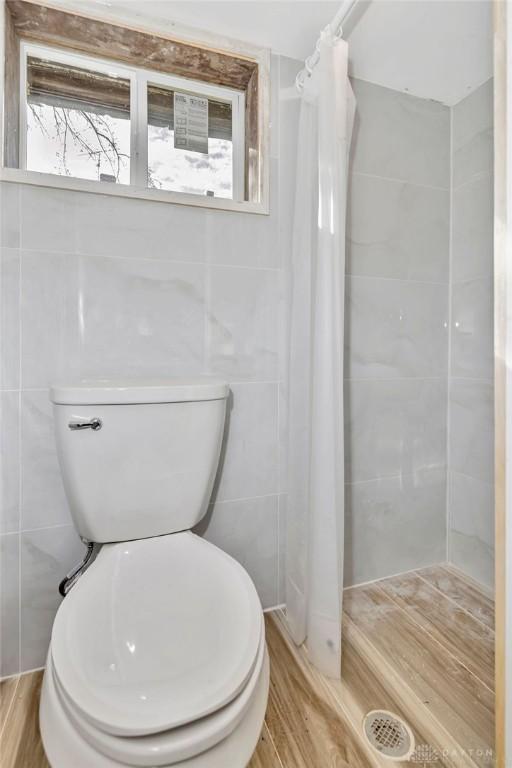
(157, 655)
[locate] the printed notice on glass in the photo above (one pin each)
(190, 123)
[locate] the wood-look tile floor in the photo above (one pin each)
(419, 645)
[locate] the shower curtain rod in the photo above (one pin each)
(335, 27)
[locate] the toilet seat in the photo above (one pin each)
(176, 745)
(158, 634)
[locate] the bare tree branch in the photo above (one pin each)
(91, 133)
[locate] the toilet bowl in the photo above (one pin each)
(157, 655)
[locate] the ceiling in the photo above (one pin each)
(435, 49)
(288, 27)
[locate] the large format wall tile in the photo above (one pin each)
(400, 137)
(93, 316)
(281, 582)
(397, 230)
(9, 461)
(140, 317)
(50, 314)
(394, 524)
(471, 428)
(472, 343)
(243, 342)
(244, 239)
(9, 215)
(288, 140)
(395, 329)
(472, 527)
(43, 501)
(472, 238)
(46, 556)
(248, 531)
(472, 134)
(48, 221)
(249, 461)
(471, 414)
(9, 605)
(140, 229)
(394, 427)
(10, 318)
(118, 287)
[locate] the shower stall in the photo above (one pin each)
(409, 547)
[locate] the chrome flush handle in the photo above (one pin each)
(93, 424)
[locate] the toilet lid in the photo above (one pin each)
(157, 633)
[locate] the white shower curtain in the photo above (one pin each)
(315, 511)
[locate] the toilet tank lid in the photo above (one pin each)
(134, 391)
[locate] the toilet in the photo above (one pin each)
(157, 654)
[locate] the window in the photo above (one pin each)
(93, 104)
(94, 119)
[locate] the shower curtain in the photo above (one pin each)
(315, 507)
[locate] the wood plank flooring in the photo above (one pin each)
(419, 645)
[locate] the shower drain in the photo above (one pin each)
(388, 734)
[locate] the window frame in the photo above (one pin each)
(139, 79)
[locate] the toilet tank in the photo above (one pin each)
(138, 459)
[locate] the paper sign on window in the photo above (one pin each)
(190, 123)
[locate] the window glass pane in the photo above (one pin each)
(182, 170)
(78, 122)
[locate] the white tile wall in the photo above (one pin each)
(396, 335)
(247, 529)
(471, 402)
(10, 460)
(395, 329)
(397, 229)
(46, 555)
(96, 286)
(104, 286)
(250, 457)
(10, 603)
(398, 136)
(393, 524)
(394, 427)
(9, 318)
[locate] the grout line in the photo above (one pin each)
(475, 279)
(451, 600)
(489, 483)
(146, 259)
(351, 276)
(448, 516)
(432, 637)
(20, 437)
(397, 378)
(46, 528)
(243, 498)
(402, 476)
(232, 382)
(385, 578)
(280, 329)
(206, 319)
(472, 378)
(398, 181)
(480, 176)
